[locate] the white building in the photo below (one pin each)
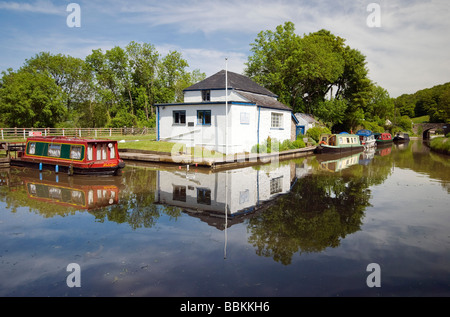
(305, 122)
(227, 117)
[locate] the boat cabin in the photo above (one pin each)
(83, 156)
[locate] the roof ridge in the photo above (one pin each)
(235, 81)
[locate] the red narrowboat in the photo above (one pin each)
(383, 138)
(70, 155)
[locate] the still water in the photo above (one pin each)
(305, 227)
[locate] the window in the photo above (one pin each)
(179, 193)
(104, 152)
(75, 152)
(245, 118)
(32, 148)
(204, 117)
(98, 157)
(54, 150)
(90, 152)
(112, 151)
(179, 117)
(277, 120)
(204, 196)
(206, 95)
(276, 185)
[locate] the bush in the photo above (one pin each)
(315, 132)
(298, 144)
(273, 144)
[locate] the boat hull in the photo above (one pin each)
(323, 148)
(107, 170)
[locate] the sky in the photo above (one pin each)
(406, 43)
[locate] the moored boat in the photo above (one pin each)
(383, 138)
(70, 155)
(401, 137)
(366, 138)
(338, 143)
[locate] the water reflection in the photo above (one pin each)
(231, 193)
(58, 194)
(171, 226)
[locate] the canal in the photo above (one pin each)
(371, 224)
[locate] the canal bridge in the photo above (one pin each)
(430, 127)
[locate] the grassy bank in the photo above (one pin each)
(441, 144)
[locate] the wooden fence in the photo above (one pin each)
(23, 133)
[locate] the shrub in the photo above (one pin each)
(298, 144)
(315, 132)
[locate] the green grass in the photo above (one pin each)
(440, 144)
(422, 119)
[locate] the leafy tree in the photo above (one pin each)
(304, 71)
(30, 99)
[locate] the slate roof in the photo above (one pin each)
(264, 101)
(235, 81)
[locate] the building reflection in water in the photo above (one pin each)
(231, 194)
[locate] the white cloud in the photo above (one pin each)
(407, 53)
(40, 6)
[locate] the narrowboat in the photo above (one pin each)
(70, 155)
(401, 137)
(338, 143)
(383, 138)
(367, 138)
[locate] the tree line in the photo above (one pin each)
(115, 88)
(319, 74)
(433, 102)
(315, 73)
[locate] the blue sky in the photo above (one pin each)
(407, 52)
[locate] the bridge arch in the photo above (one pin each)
(429, 127)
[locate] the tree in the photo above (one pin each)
(30, 99)
(306, 71)
(144, 63)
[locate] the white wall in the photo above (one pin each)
(265, 129)
(216, 95)
(242, 126)
(209, 135)
(237, 189)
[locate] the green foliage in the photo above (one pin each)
(305, 71)
(30, 99)
(315, 132)
(114, 88)
(433, 102)
(273, 145)
(441, 144)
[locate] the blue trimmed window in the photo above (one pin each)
(276, 121)
(204, 117)
(179, 117)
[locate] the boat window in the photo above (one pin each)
(98, 157)
(32, 148)
(75, 152)
(348, 140)
(54, 150)
(112, 151)
(90, 197)
(90, 152)
(104, 157)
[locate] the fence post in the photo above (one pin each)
(24, 134)
(63, 132)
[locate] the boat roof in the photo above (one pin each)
(364, 132)
(66, 139)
